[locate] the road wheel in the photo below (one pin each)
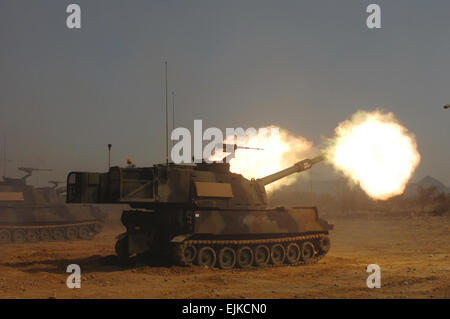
(18, 236)
(293, 253)
(206, 257)
(227, 258)
(244, 257)
(262, 255)
(32, 236)
(57, 234)
(5, 236)
(45, 235)
(308, 251)
(189, 254)
(71, 233)
(97, 227)
(83, 232)
(277, 254)
(325, 244)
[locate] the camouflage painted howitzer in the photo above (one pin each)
(29, 214)
(203, 214)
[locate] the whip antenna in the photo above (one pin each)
(173, 114)
(167, 124)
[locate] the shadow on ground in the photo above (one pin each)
(91, 264)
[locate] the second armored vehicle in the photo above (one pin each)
(30, 214)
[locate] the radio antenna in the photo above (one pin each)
(5, 159)
(167, 123)
(173, 114)
(109, 156)
(1, 160)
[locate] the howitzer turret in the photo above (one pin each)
(206, 215)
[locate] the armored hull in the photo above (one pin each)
(205, 215)
(228, 238)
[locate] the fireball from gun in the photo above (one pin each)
(375, 151)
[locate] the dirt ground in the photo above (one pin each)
(413, 253)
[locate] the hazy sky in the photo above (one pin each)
(302, 65)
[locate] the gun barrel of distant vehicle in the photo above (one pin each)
(31, 169)
(296, 168)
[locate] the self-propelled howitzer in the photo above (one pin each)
(31, 214)
(203, 214)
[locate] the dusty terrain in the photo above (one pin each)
(413, 253)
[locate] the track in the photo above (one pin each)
(228, 254)
(37, 233)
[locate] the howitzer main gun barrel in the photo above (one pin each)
(296, 168)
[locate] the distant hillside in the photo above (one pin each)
(426, 182)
